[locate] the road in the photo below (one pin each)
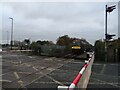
(22, 71)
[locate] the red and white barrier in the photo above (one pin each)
(63, 87)
(78, 77)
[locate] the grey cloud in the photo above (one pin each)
(51, 20)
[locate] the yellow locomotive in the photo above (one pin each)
(80, 46)
(76, 47)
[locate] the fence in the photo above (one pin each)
(82, 79)
(52, 50)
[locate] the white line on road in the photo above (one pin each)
(106, 75)
(25, 72)
(49, 76)
(113, 84)
(30, 56)
(104, 83)
(26, 64)
(103, 69)
(17, 77)
(52, 79)
(5, 81)
(35, 68)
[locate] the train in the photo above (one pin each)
(80, 46)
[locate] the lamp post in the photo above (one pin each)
(7, 37)
(11, 43)
(107, 9)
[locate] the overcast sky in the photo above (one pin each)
(49, 20)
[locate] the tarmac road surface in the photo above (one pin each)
(22, 71)
(105, 76)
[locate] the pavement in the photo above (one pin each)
(104, 76)
(28, 72)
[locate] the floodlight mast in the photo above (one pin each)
(11, 43)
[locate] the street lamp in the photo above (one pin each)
(11, 43)
(7, 37)
(107, 36)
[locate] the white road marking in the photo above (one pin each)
(104, 83)
(25, 72)
(17, 77)
(50, 82)
(30, 57)
(26, 64)
(107, 75)
(49, 76)
(97, 64)
(35, 68)
(5, 81)
(113, 84)
(103, 69)
(20, 62)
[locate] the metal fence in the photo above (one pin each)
(52, 50)
(82, 79)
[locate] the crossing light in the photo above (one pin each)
(108, 36)
(108, 9)
(111, 8)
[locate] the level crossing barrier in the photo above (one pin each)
(82, 79)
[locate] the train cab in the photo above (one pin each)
(76, 47)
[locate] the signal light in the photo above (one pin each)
(108, 37)
(110, 9)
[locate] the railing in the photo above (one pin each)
(82, 79)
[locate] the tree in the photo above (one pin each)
(44, 42)
(27, 41)
(36, 48)
(64, 40)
